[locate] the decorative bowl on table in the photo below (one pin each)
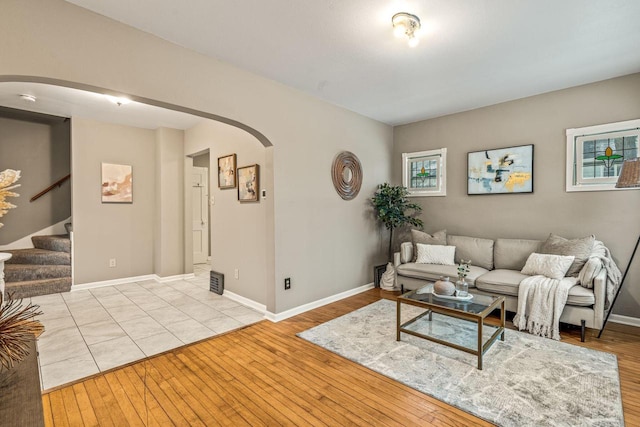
(444, 287)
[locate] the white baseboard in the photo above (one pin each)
(246, 301)
(625, 320)
(315, 304)
(125, 280)
(173, 278)
(243, 300)
(113, 282)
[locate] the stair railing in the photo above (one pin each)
(58, 183)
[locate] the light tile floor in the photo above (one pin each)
(94, 330)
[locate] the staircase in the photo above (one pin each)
(44, 269)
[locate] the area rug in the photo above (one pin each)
(526, 380)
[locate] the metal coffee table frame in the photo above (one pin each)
(439, 306)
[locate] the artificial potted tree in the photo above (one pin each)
(394, 209)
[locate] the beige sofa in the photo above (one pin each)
(495, 270)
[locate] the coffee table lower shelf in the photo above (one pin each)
(477, 318)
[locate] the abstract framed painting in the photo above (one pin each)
(117, 183)
(500, 171)
(248, 183)
(227, 171)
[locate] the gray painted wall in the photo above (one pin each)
(540, 120)
(169, 199)
(326, 245)
(40, 151)
(104, 231)
(238, 231)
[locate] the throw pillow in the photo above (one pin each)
(406, 252)
(436, 254)
(578, 248)
(551, 266)
(591, 269)
(438, 238)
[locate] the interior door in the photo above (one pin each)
(200, 197)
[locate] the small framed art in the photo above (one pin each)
(117, 183)
(248, 183)
(500, 171)
(227, 171)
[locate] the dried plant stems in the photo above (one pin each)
(7, 178)
(17, 329)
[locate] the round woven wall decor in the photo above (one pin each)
(346, 173)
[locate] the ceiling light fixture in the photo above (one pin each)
(28, 98)
(407, 25)
(118, 100)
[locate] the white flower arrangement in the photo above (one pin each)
(463, 269)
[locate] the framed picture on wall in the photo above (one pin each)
(500, 171)
(227, 171)
(248, 183)
(117, 183)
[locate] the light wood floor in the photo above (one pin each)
(263, 375)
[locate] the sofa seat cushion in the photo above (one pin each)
(432, 272)
(507, 282)
(500, 281)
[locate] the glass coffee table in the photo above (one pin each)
(475, 311)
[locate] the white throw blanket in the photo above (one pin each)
(613, 272)
(540, 304)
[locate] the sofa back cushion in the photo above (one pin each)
(579, 248)
(512, 254)
(438, 238)
(479, 251)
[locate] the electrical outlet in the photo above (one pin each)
(236, 273)
(287, 283)
(112, 262)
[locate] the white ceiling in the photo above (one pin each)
(67, 102)
(473, 52)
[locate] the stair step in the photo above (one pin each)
(22, 272)
(34, 288)
(39, 256)
(60, 243)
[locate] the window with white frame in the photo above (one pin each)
(595, 154)
(424, 172)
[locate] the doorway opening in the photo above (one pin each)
(201, 214)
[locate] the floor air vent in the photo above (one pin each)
(216, 282)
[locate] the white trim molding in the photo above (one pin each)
(573, 153)
(113, 282)
(173, 278)
(440, 156)
(625, 320)
(277, 317)
(245, 301)
(125, 280)
(274, 317)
